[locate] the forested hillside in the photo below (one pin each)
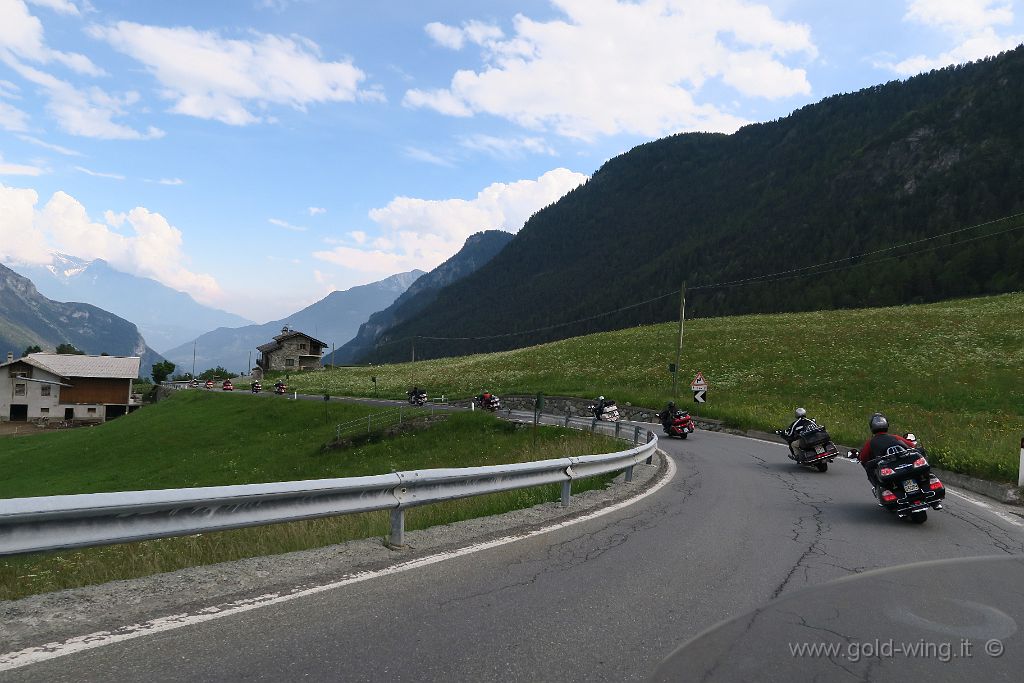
(850, 175)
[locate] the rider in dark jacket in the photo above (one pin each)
(793, 432)
(666, 415)
(878, 445)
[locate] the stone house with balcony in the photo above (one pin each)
(51, 387)
(291, 351)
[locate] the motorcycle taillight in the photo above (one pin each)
(888, 497)
(935, 484)
(920, 462)
(886, 471)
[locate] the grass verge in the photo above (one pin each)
(200, 439)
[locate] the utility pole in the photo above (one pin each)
(193, 358)
(414, 348)
(248, 368)
(679, 346)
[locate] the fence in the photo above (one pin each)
(74, 521)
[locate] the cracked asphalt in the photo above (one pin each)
(605, 599)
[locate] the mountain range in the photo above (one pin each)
(746, 220)
(478, 250)
(29, 318)
(334, 319)
(165, 317)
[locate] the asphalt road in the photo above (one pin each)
(607, 599)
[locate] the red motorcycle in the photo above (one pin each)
(681, 425)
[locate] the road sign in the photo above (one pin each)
(672, 367)
(700, 396)
(699, 383)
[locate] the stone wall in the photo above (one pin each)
(569, 405)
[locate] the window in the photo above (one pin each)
(289, 362)
(302, 347)
(19, 389)
(44, 390)
(44, 411)
(92, 411)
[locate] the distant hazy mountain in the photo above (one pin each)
(478, 250)
(27, 317)
(165, 317)
(334, 320)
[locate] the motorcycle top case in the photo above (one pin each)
(810, 439)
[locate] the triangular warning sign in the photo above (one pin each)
(699, 382)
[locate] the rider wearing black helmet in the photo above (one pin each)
(793, 432)
(666, 415)
(879, 444)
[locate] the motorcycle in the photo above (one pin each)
(257, 387)
(606, 411)
(814, 448)
(681, 425)
(488, 402)
(280, 388)
(906, 485)
(209, 384)
(417, 398)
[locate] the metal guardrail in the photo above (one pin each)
(74, 521)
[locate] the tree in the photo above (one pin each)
(35, 348)
(69, 348)
(216, 373)
(161, 370)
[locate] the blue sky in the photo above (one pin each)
(258, 154)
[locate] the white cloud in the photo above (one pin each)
(970, 24)
(19, 169)
(421, 233)
(611, 66)
(12, 118)
(454, 37)
(428, 157)
(50, 146)
(316, 210)
(21, 36)
(152, 249)
(508, 148)
(21, 240)
(87, 113)
(58, 6)
(286, 225)
(99, 174)
(171, 181)
(212, 77)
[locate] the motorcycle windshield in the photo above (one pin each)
(940, 621)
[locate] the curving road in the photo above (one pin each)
(606, 599)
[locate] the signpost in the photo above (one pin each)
(699, 387)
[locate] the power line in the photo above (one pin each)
(778, 276)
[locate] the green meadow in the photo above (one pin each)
(951, 372)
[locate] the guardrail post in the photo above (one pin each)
(629, 473)
(566, 492)
(593, 425)
(636, 436)
(1020, 471)
(369, 419)
(617, 426)
(397, 537)
(399, 414)
(566, 420)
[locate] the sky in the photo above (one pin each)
(259, 154)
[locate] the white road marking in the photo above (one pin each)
(41, 653)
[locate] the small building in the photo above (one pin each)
(52, 387)
(291, 351)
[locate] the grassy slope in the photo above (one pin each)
(202, 439)
(952, 372)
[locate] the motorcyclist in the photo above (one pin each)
(668, 414)
(599, 406)
(878, 445)
(794, 431)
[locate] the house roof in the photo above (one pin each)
(276, 344)
(74, 365)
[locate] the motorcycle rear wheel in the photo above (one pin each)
(822, 466)
(919, 517)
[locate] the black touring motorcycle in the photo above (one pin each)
(906, 485)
